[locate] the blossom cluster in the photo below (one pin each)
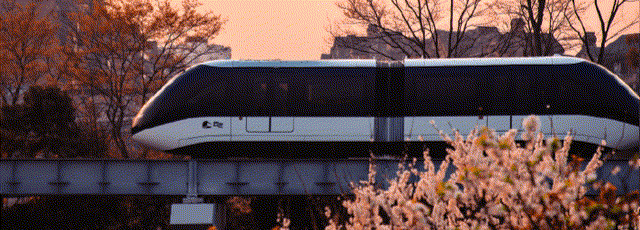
(496, 184)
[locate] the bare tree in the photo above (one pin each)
(412, 28)
(543, 25)
(125, 50)
(28, 45)
(609, 25)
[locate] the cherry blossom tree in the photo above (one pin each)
(496, 184)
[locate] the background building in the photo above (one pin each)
(206, 52)
(482, 41)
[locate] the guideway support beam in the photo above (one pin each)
(213, 177)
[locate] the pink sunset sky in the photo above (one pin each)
(274, 29)
(295, 29)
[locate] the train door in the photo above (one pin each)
(269, 124)
(270, 94)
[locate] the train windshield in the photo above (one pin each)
(165, 104)
(617, 101)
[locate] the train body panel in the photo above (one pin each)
(618, 135)
(200, 130)
(302, 128)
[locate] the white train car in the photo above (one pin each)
(347, 108)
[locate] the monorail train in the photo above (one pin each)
(347, 108)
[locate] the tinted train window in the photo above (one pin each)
(546, 83)
(449, 91)
(211, 100)
(199, 91)
(259, 95)
(332, 95)
(609, 97)
(302, 92)
(569, 92)
(268, 95)
(511, 89)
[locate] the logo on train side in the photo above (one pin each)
(208, 125)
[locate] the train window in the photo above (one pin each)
(565, 88)
(449, 91)
(603, 91)
(511, 90)
(280, 98)
(545, 82)
(301, 92)
(268, 95)
(331, 96)
(409, 98)
(259, 90)
(211, 101)
(315, 95)
(169, 103)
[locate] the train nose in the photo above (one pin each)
(148, 126)
(138, 133)
(156, 138)
(138, 136)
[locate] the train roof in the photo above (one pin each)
(551, 60)
(287, 64)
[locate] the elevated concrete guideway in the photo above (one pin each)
(212, 177)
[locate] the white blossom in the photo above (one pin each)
(525, 187)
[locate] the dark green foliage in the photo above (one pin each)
(89, 212)
(44, 125)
